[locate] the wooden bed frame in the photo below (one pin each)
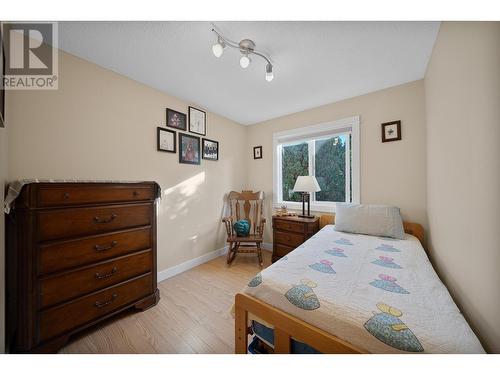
(287, 326)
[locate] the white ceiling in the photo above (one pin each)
(315, 62)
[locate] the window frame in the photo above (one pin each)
(308, 134)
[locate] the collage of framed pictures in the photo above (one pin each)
(191, 148)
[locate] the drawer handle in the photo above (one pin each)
(135, 193)
(100, 276)
(105, 247)
(98, 220)
(66, 196)
(99, 304)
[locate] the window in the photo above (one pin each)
(330, 152)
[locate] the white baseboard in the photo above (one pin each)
(175, 270)
(267, 246)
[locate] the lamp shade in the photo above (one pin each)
(306, 184)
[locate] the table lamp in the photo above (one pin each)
(306, 185)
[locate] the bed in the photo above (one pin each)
(351, 293)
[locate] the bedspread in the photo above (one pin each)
(379, 294)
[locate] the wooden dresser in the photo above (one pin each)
(77, 253)
(290, 232)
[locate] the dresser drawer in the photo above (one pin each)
(289, 226)
(51, 196)
(74, 222)
(63, 287)
(69, 254)
(63, 318)
(288, 238)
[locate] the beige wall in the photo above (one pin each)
(3, 178)
(391, 173)
(101, 125)
(462, 88)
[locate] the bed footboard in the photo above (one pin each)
(286, 326)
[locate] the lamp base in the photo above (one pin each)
(307, 216)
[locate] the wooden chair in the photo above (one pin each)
(245, 205)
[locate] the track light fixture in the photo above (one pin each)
(246, 48)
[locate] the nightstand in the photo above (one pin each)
(290, 232)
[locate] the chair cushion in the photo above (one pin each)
(242, 228)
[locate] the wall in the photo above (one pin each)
(101, 125)
(391, 173)
(462, 88)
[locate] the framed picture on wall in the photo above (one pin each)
(197, 121)
(257, 152)
(166, 141)
(176, 119)
(391, 131)
(210, 149)
(189, 149)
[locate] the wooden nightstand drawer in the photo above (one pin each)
(289, 226)
(288, 238)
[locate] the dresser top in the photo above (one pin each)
(21, 187)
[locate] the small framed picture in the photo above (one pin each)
(210, 149)
(197, 121)
(189, 149)
(391, 131)
(166, 140)
(176, 119)
(257, 152)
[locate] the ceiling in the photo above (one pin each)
(315, 63)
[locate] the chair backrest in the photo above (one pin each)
(247, 205)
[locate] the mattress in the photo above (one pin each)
(379, 294)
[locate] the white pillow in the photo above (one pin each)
(371, 219)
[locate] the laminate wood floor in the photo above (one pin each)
(193, 315)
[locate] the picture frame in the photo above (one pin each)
(391, 131)
(189, 149)
(197, 121)
(257, 152)
(176, 119)
(166, 140)
(210, 149)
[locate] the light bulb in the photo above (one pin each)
(269, 73)
(217, 49)
(244, 61)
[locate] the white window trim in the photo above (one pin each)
(309, 132)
